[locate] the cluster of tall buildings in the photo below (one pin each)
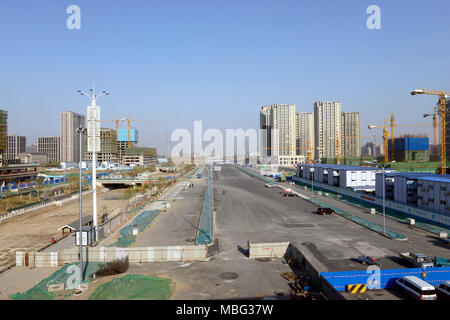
(116, 145)
(291, 137)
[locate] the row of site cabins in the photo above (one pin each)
(23, 176)
(422, 189)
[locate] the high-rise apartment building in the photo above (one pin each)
(372, 149)
(278, 141)
(108, 146)
(51, 146)
(327, 128)
(350, 135)
(3, 136)
(305, 133)
(70, 140)
(16, 145)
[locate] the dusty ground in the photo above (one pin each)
(35, 230)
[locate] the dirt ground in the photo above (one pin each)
(33, 231)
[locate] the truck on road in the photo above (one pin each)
(418, 260)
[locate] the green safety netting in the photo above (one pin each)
(63, 275)
(206, 224)
(134, 287)
(141, 222)
(138, 208)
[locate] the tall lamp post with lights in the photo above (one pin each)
(93, 115)
(81, 131)
(383, 167)
(312, 170)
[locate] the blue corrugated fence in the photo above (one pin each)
(434, 276)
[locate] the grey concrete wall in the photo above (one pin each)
(321, 283)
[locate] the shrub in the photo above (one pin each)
(117, 266)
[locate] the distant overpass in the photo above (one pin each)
(123, 182)
(110, 182)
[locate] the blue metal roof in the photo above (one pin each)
(337, 166)
(409, 175)
(439, 178)
(419, 176)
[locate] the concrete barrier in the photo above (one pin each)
(108, 254)
(268, 250)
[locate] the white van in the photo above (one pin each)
(416, 288)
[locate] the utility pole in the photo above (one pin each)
(383, 167)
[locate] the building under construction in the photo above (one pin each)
(139, 156)
(108, 146)
(411, 148)
(126, 139)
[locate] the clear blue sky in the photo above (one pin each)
(219, 61)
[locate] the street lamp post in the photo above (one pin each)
(81, 131)
(313, 170)
(384, 190)
(93, 97)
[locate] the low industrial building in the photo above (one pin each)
(433, 193)
(421, 195)
(68, 165)
(356, 178)
(289, 160)
(139, 157)
(423, 190)
(399, 186)
(32, 157)
(138, 160)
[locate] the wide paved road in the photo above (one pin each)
(251, 212)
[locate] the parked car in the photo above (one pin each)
(418, 260)
(443, 291)
(270, 185)
(368, 260)
(325, 211)
(416, 288)
(288, 193)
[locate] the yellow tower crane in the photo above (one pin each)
(128, 120)
(338, 145)
(310, 160)
(443, 95)
(129, 125)
(385, 138)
